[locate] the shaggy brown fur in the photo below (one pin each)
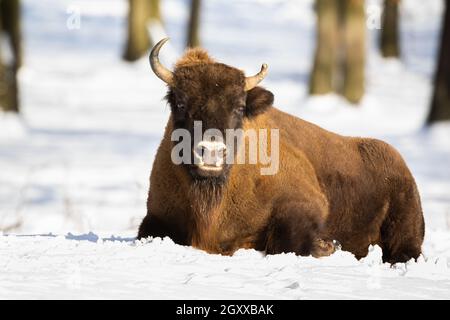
(328, 187)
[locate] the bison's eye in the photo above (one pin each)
(240, 111)
(181, 106)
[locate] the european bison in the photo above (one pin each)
(328, 187)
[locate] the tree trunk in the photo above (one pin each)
(155, 10)
(339, 61)
(355, 50)
(325, 60)
(9, 93)
(389, 41)
(193, 38)
(440, 106)
(10, 25)
(140, 12)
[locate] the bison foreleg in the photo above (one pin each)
(153, 226)
(295, 227)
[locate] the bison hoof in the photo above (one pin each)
(323, 248)
(337, 245)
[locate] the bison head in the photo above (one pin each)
(215, 95)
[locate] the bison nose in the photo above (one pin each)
(210, 153)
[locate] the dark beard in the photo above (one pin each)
(206, 194)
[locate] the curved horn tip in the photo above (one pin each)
(251, 82)
(158, 46)
(264, 68)
(163, 40)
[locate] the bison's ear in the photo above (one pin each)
(258, 101)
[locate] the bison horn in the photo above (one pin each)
(162, 72)
(251, 82)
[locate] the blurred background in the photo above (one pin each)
(81, 113)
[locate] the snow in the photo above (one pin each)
(92, 267)
(74, 167)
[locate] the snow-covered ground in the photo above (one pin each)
(88, 267)
(74, 168)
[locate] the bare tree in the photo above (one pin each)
(325, 62)
(193, 38)
(440, 106)
(340, 52)
(354, 50)
(389, 39)
(140, 13)
(10, 25)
